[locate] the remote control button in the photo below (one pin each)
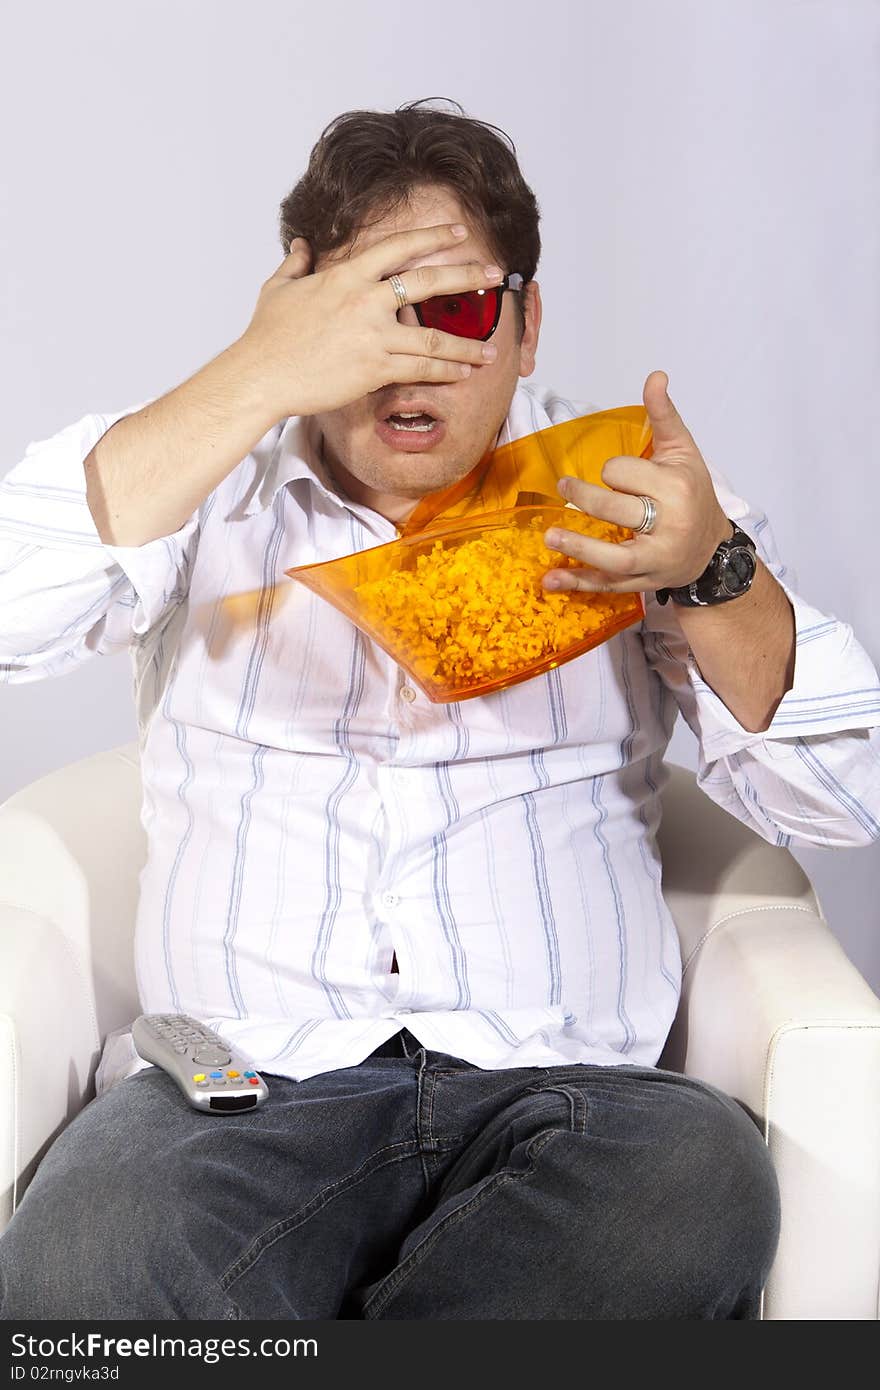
(249, 1074)
(212, 1056)
(203, 1085)
(233, 1073)
(180, 1047)
(199, 1076)
(254, 1081)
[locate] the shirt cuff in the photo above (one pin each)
(836, 687)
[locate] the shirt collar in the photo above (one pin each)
(290, 451)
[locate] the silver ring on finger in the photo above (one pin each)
(399, 290)
(648, 519)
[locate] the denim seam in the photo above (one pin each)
(420, 1136)
(392, 1283)
(246, 1261)
(434, 1079)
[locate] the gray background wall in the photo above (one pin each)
(708, 176)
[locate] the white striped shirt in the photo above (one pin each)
(308, 813)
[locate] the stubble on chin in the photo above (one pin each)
(413, 476)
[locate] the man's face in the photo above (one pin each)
(377, 473)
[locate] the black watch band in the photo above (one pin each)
(728, 575)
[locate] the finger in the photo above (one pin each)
(593, 582)
(667, 426)
(428, 280)
(394, 251)
(624, 473)
(431, 342)
(404, 367)
(613, 503)
(297, 263)
(617, 560)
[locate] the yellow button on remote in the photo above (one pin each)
(198, 1076)
(233, 1073)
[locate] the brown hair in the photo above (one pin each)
(368, 162)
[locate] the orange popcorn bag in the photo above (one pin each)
(457, 599)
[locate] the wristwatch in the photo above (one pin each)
(728, 574)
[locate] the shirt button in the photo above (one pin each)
(407, 693)
(390, 899)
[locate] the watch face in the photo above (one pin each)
(738, 570)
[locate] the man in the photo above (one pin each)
(438, 930)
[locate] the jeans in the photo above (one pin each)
(413, 1185)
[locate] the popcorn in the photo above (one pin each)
(476, 611)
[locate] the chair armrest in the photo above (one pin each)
(774, 1013)
(49, 1044)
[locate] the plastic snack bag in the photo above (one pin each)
(457, 600)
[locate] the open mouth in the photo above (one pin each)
(417, 422)
(412, 428)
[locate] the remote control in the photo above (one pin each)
(207, 1069)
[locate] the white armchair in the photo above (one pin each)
(772, 1010)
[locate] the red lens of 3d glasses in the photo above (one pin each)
(469, 315)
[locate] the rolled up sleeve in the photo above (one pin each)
(65, 596)
(813, 776)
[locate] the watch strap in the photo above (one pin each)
(703, 592)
